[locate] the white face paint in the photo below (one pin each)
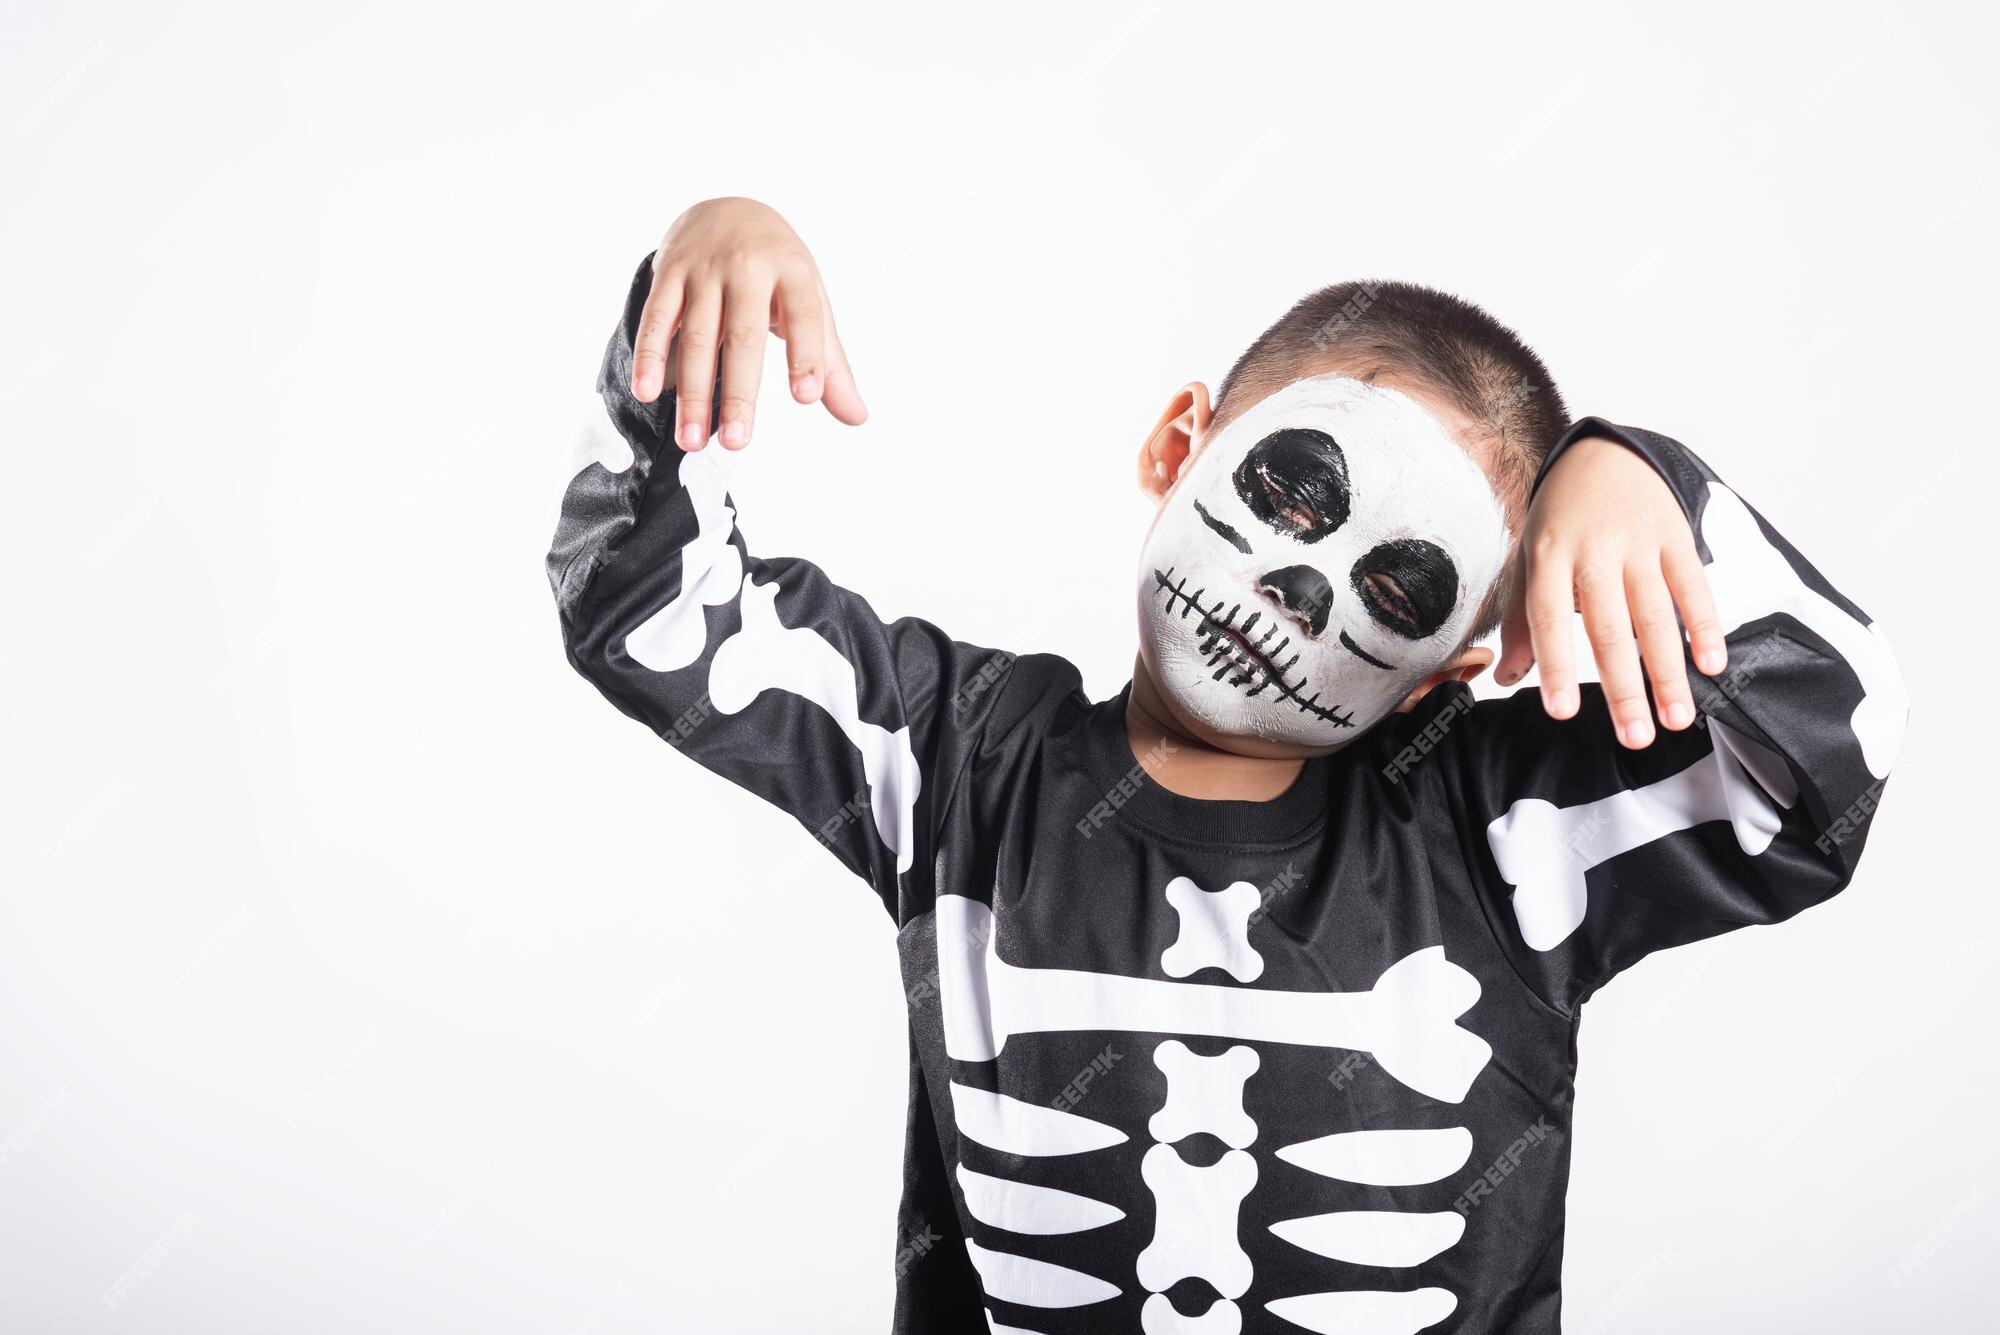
(1326, 551)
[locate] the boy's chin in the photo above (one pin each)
(1261, 732)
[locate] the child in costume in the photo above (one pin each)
(1329, 920)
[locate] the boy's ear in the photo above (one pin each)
(1463, 668)
(1175, 439)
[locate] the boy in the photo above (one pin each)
(1247, 1000)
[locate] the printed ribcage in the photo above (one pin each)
(1245, 1150)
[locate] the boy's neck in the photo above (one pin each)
(1186, 765)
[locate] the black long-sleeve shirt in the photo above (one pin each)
(1182, 1065)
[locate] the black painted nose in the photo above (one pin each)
(1304, 593)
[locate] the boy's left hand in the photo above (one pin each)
(1605, 537)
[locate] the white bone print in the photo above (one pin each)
(1032, 1283)
(768, 655)
(995, 1326)
(1159, 1317)
(1204, 1094)
(1407, 1020)
(1367, 1313)
(765, 654)
(1544, 851)
(1020, 1207)
(1014, 1126)
(711, 571)
(1375, 1237)
(1215, 931)
(1194, 1221)
(1384, 1158)
(1751, 579)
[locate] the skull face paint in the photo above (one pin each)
(1323, 554)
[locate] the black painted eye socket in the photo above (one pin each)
(1295, 480)
(1409, 586)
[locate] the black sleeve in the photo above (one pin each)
(763, 670)
(1601, 855)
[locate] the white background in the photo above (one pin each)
(362, 970)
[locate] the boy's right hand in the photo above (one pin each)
(728, 272)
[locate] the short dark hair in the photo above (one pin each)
(1442, 341)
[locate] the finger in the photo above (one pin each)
(1607, 620)
(746, 325)
(842, 396)
(1517, 645)
(802, 324)
(1688, 581)
(696, 370)
(656, 330)
(1660, 644)
(1551, 601)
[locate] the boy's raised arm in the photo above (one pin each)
(762, 670)
(1604, 840)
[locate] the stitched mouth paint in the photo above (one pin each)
(1320, 556)
(1250, 666)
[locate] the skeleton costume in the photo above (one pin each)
(1202, 1067)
